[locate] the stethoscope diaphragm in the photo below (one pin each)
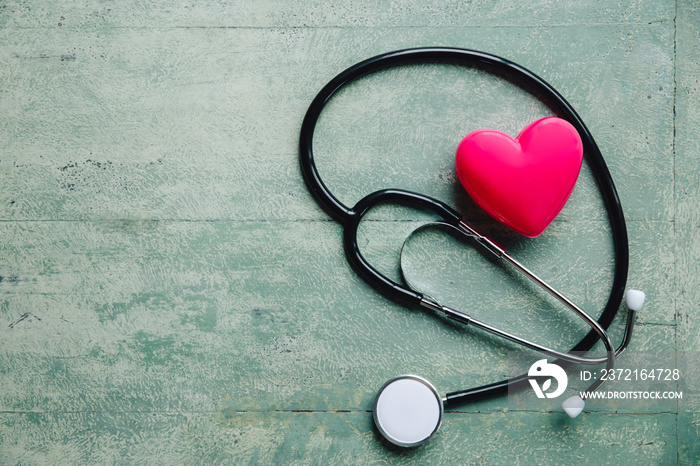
(408, 411)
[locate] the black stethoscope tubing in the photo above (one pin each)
(351, 217)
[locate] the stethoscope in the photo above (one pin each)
(408, 410)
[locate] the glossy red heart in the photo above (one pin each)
(522, 182)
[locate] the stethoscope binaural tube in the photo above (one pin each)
(351, 217)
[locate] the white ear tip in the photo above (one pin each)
(573, 405)
(635, 299)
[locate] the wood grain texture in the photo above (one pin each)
(333, 13)
(170, 293)
(687, 194)
(171, 123)
(229, 437)
(688, 120)
(171, 316)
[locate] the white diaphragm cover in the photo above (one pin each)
(408, 411)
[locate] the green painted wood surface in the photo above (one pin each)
(171, 294)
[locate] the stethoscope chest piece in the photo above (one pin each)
(408, 411)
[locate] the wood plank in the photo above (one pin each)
(227, 436)
(131, 316)
(687, 140)
(200, 124)
(687, 234)
(333, 13)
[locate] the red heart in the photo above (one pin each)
(522, 182)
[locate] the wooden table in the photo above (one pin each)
(170, 293)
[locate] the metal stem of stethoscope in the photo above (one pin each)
(465, 230)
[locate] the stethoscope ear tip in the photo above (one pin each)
(573, 406)
(635, 300)
(408, 411)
